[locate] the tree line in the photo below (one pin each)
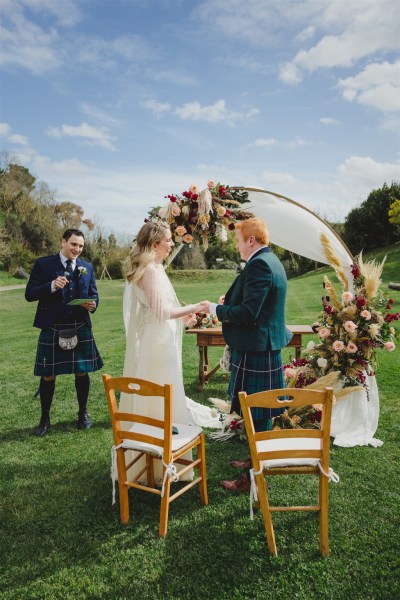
(32, 222)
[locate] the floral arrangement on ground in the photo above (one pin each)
(203, 216)
(351, 328)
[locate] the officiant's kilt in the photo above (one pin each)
(52, 360)
(253, 372)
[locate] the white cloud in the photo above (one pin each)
(25, 44)
(94, 136)
(289, 73)
(361, 33)
(66, 12)
(366, 172)
(213, 113)
(268, 142)
(158, 108)
(4, 129)
(97, 113)
(13, 138)
(328, 121)
(306, 34)
(378, 85)
(265, 142)
(16, 138)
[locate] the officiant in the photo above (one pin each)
(65, 287)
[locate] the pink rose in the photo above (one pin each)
(390, 346)
(351, 348)
(366, 315)
(324, 332)
(347, 297)
(194, 189)
(175, 210)
(338, 345)
(211, 184)
(350, 326)
(290, 372)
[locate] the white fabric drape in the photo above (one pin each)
(355, 418)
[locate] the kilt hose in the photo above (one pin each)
(52, 360)
(253, 372)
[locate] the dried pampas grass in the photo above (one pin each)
(334, 261)
(372, 272)
(332, 294)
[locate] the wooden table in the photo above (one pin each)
(213, 337)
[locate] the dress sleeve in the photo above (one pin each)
(160, 295)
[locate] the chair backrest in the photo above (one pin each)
(140, 387)
(289, 398)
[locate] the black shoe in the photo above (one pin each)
(43, 427)
(83, 421)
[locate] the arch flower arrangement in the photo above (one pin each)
(202, 217)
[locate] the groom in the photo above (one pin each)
(253, 325)
(55, 281)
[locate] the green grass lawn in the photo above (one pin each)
(62, 538)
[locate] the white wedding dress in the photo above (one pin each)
(154, 352)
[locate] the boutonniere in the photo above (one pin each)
(82, 271)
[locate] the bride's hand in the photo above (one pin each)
(221, 299)
(190, 320)
(203, 306)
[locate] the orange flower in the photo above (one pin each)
(180, 230)
(187, 238)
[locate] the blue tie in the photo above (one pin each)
(68, 269)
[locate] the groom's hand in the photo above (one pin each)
(203, 306)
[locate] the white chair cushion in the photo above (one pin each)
(186, 434)
(289, 444)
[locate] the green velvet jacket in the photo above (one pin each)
(253, 315)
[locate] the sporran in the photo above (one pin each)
(68, 338)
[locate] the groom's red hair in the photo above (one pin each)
(254, 227)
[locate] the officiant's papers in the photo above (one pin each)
(79, 301)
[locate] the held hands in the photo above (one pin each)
(203, 307)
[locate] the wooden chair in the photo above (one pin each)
(153, 439)
(290, 451)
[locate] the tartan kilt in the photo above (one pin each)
(253, 372)
(52, 360)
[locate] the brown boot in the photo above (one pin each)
(241, 485)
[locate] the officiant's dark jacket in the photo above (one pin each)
(253, 314)
(52, 307)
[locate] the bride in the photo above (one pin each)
(154, 322)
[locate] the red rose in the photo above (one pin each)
(222, 191)
(231, 226)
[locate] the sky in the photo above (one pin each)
(117, 103)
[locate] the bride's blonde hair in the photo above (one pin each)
(142, 252)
